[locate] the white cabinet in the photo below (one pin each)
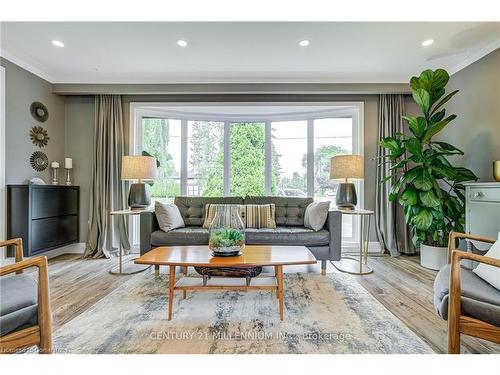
(482, 210)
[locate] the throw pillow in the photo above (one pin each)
(169, 217)
(260, 216)
(212, 209)
(490, 274)
(316, 214)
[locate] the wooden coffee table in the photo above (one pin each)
(190, 256)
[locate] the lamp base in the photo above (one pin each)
(139, 196)
(346, 198)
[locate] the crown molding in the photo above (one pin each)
(25, 65)
(475, 56)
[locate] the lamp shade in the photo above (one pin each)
(138, 168)
(350, 167)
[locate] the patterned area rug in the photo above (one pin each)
(323, 314)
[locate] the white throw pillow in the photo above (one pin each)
(490, 274)
(169, 217)
(316, 214)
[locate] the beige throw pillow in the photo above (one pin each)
(252, 215)
(490, 274)
(169, 217)
(316, 215)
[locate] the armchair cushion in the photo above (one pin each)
(478, 298)
(18, 303)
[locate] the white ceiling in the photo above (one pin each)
(140, 52)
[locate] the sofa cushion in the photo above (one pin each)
(280, 236)
(168, 216)
(193, 208)
(180, 236)
(479, 299)
(299, 236)
(18, 303)
(288, 211)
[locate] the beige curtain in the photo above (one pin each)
(392, 232)
(107, 190)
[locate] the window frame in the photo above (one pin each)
(354, 110)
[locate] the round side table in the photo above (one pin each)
(129, 267)
(350, 264)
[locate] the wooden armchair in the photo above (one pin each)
(25, 316)
(473, 305)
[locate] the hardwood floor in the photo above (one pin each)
(400, 284)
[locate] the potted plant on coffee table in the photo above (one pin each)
(425, 182)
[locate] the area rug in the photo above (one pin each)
(323, 314)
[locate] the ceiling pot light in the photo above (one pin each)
(427, 42)
(304, 42)
(58, 43)
(182, 43)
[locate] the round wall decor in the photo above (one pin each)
(39, 161)
(39, 136)
(39, 111)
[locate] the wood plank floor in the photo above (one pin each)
(400, 284)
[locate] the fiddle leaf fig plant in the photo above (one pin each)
(425, 182)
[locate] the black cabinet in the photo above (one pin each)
(44, 216)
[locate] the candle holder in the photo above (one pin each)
(68, 177)
(55, 178)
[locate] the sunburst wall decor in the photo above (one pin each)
(39, 136)
(39, 161)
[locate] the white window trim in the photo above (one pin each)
(355, 110)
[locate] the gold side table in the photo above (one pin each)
(353, 265)
(129, 267)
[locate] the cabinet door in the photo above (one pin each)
(49, 202)
(483, 220)
(54, 231)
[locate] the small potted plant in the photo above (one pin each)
(424, 181)
(226, 232)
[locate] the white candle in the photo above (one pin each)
(55, 164)
(68, 163)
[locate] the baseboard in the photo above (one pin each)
(74, 248)
(353, 247)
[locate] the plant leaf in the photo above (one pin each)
(440, 79)
(429, 199)
(423, 181)
(414, 147)
(443, 101)
(409, 197)
(443, 146)
(464, 174)
(423, 99)
(436, 128)
(438, 116)
(416, 124)
(423, 220)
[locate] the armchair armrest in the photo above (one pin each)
(452, 242)
(44, 312)
(148, 224)
(18, 244)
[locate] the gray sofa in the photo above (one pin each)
(325, 244)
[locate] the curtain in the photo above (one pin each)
(392, 232)
(107, 190)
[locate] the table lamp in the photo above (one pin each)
(346, 168)
(138, 168)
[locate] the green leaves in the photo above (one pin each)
(416, 124)
(431, 192)
(423, 219)
(429, 199)
(436, 128)
(423, 99)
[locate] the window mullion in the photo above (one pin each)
(184, 161)
(227, 156)
(268, 162)
(310, 157)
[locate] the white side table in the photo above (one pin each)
(128, 268)
(352, 265)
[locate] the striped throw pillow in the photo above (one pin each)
(252, 215)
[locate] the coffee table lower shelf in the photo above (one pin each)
(187, 283)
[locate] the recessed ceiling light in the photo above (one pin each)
(58, 43)
(304, 42)
(182, 43)
(427, 42)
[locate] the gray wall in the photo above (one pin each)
(79, 143)
(476, 130)
(21, 89)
